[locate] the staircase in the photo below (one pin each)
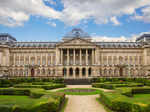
(77, 81)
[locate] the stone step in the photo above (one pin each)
(77, 81)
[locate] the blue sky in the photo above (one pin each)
(50, 20)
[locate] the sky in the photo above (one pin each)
(50, 20)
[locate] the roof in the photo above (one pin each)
(7, 35)
(119, 44)
(77, 32)
(35, 44)
(101, 44)
(144, 35)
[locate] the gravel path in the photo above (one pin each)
(85, 103)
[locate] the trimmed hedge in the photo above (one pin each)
(20, 91)
(136, 90)
(141, 91)
(108, 85)
(11, 82)
(46, 87)
(103, 85)
(145, 81)
(121, 103)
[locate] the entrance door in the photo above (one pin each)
(77, 72)
(32, 72)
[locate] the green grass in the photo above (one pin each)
(143, 98)
(96, 91)
(23, 101)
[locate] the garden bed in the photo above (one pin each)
(127, 99)
(24, 100)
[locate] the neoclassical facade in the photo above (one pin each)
(75, 56)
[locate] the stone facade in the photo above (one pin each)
(76, 56)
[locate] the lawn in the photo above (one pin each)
(143, 98)
(23, 101)
(95, 91)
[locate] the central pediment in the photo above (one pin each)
(77, 42)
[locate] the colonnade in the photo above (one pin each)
(77, 56)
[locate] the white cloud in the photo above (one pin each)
(51, 24)
(132, 38)
(101, 11)
(16, 12)
(145, 15)
(109, 39)
(115, 21)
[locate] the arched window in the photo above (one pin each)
(70, 71)
(77, 71)
(89, 72)
(83, 71)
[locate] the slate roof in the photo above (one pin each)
(35, 44)
(119, 44)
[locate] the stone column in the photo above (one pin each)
(29, 59)
(41, 59)
(62, 56)
(19, 63)
(80, 73)
(51, 56)
(67, 74)
(93, 57)
(107, 59)
(24, 57)
(74, 73)
(80, 56)
(67, 56)
(95, 54)
(14, 59)
(99, 58)
(46, 59)
(74, 57)
(36, 59)
(86, 56)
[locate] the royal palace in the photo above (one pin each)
(75, 56)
